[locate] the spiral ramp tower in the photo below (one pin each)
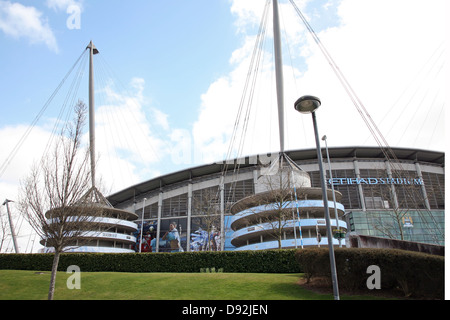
(105, 228)
(285, 211)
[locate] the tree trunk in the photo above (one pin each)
(51, 290)
(280, 232)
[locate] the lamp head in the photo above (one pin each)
(307, 104)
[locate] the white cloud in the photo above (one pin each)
(30, 152)
(248, 13)
(379, 45)
(63, 5)
(385, 63)
(127, 139)
(161, 118)
(19, 21)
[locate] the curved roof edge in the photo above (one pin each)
(420, 155)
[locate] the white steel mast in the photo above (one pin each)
(11, 226)
(92, 50)
(279, 72)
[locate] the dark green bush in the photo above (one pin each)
(414, 273)
(276, 261)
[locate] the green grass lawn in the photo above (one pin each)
(30, 285)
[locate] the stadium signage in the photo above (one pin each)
(374, 181)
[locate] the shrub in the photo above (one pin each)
(414, 273)
(275, 261)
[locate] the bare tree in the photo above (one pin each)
(277, 213)
(277, 187)
(53, 197)
(395, 202)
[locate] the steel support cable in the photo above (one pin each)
(441, 117)
(377, 135)
(355, 99)
(119, 138)
(247, 82)
(19, 144)
(252, 89)
(293, 74)
(246, 117)
(113, 138)
(102, 84)
(112, 75)
(397, 166)
(415, 197)
(437, 69)
(417, 76)
(298, 217)
(69, 100)
(372, 127)
(425, 96)
(250, 81)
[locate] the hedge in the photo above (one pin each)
(276, 261)
(416, 274)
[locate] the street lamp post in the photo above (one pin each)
(309, 104)
(142, 226)
(324, 138)
(11, 226)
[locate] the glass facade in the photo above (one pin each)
(409, 225)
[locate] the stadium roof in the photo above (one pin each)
(435, 157)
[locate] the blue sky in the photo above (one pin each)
(148, 39)
(170, 76)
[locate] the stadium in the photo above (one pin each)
(215, 207)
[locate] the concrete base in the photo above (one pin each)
(361, 241)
